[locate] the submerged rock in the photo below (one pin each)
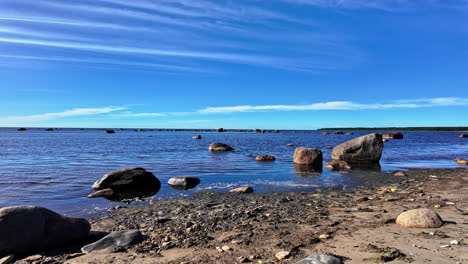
(337, 165)
(220, 147)
(120, 239)
(361, 150)
(246, 189)
(393, 135)
(109, 131)
(309, 156)
(461, 161)
(27, 229)
(320, 259)
(420, 218)
(183, 182)
(265, 158)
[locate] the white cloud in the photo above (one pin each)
(129, 114)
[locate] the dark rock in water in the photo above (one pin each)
(337, 165)
(21, 129)
(26, 229)
(102, 193)
(183, 182)
(128, 183)
(306, 169)
(220, 147)
(309, 156)
(277, 131)
(328, 147)
(320, 259)
(246, 189)
(290, 145)
(265, 158)
(119, 239)
(361, 150)
(49, 129)
(463, 136)
(197, 137)
(338, 133)
(393, 135)
(257, 130)
(220, 129)
(109, 131)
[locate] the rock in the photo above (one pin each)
(132, 181)
(350, 133)
(420, 218)
(246, 189)
(463, 136)
(277, 131)
(328, 147)
(257, 130)
(102, 193)
(290, 145)
(320, 259)
(400, 174)
(225, 248)
(109, 131)
(220, 147)
(325, 133)
(183, 182)
(120, 239)
(338, 133)
(361, 199)
(309, 156)
(26, 229)
(384, 140)
(265, 158)
(324, 236)
(283, 255)
(7, 259)
(337, 165)
(364, 149)
(21, 129)
(393, 135)
(220, 129)
(461, 161)
(197, 137)
(49, 129)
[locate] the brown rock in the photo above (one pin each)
(283, 255)
(220, 147)
(338, 133)
(463, 135)
(461, 161)
(400, 174)
(265, 158)
(325, 133)
(102, 193)
(246, 189)
(328, 147)
(361, 199)
(196, 137)
(420, 218)
(393, 135)
(308, 156)
(350, 133)
(337, 165)
(290, 145)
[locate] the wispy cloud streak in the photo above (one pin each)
(68, 113)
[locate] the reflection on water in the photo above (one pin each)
(57, 168)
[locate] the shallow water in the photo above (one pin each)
(56, 169)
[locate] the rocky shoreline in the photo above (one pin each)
(357, 225)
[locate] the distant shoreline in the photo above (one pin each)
(455, 129)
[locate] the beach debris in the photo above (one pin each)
(246, 189)
(282, 255)
(419, 218)
(309, 156)
(32, 228)
(265, 158)
(392, 135)
(219, 147)
(400, 174)
(320, 259)
(183, 182)
(109, 131)
(197, 137)
(337, 165)
(117, 239)
(362, 150)
(460, 161)
(129, 183)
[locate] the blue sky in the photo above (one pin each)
(290, 64)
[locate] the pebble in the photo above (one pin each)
(449, 203)
(225, 248)
(283, 255)
(361, 199)
(445, 246)
(324, 236)
(219, 249)
(454, 242)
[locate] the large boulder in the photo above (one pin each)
(309, 156)
(364, 149)
(392, 135)
(320, 259)
(183, 182)
(119, 239)
(27, 229)
(420, 218)
(129, 182)
(219, 147)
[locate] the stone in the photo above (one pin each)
(282, 255)
(325, 133)
(120, 239)
(384, 140)
(324, 236)
(220, 147)
(338, 133)
(265, 158)
(290, 145)
(21, 129)
(361, 199)
(328, 147)
(337, 165)
(400, 174)
(132, 181)
(461, 161)
(246, 189)
(7, 259)
(27, 229)
(320, 259)
(49, 129)
(257, 130)
(309, 156)
(108, 192)
(183, 182)
(420, 218)
(361, 150)
(109, 131)
(392, 135)
(463, 136)
(197, 137)
(225, 248)
(350, 133)
(220, 129)
(277, 131)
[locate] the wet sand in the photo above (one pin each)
(257, 226)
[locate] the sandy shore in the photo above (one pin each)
(257, 226)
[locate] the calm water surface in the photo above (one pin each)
(56, 169)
